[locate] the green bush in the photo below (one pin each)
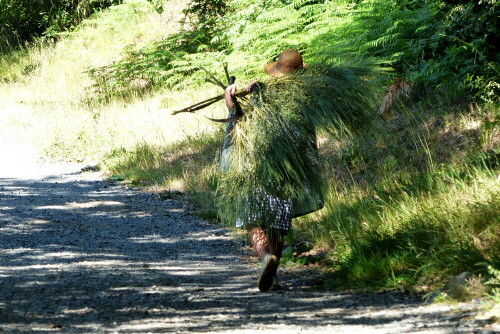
(450, 47)
(23, 20)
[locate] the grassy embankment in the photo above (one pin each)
(49, 95)
(413, 201)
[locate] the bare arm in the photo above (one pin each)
(229, 95)
(231, 91)
(250, 86)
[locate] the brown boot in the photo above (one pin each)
(276, 284)
(268, 272)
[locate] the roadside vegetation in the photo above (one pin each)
(414, 197)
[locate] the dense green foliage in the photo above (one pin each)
(445, 46)
(22, 20)
(411, 203)
(397, 212)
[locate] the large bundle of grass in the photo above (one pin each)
(274, 148)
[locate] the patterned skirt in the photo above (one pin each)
(269, 212)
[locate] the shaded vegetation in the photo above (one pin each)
(23, 20)
(441, 46)
(414, 200)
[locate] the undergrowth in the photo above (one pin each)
(189, 166)
(413, 202)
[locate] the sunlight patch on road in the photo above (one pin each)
(153, 239)
(75, 205)
(80, 311)
(29, 226)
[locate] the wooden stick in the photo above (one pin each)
(217, 81)
(226, 71)
(211, 81)
(206, 103)
(203, 104)
(225, 120)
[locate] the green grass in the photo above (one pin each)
(54, 102)
(412, 203)
(189, 166)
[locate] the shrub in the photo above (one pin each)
(23, 20)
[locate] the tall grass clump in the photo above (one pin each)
(412, 202)
(187, 166)
(280, 124)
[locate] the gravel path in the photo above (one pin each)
(79, 254)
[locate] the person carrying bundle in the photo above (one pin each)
(270, 165)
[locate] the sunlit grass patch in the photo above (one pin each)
(187, 166)
(415, 239)
(50, 83)
(408, 207)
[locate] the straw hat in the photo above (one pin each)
(288, 61)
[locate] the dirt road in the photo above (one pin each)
(79, 254)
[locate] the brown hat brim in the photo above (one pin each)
(272, 70)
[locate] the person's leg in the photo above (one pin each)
(275, 247)
(260, 242)
(275, 244)
(266, 244)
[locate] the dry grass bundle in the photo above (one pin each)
(274, 144)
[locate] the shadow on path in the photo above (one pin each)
(81, 255)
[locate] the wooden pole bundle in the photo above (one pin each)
(212, 100)
(206, 103)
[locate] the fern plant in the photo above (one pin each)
(432, 44)
(494, 282)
